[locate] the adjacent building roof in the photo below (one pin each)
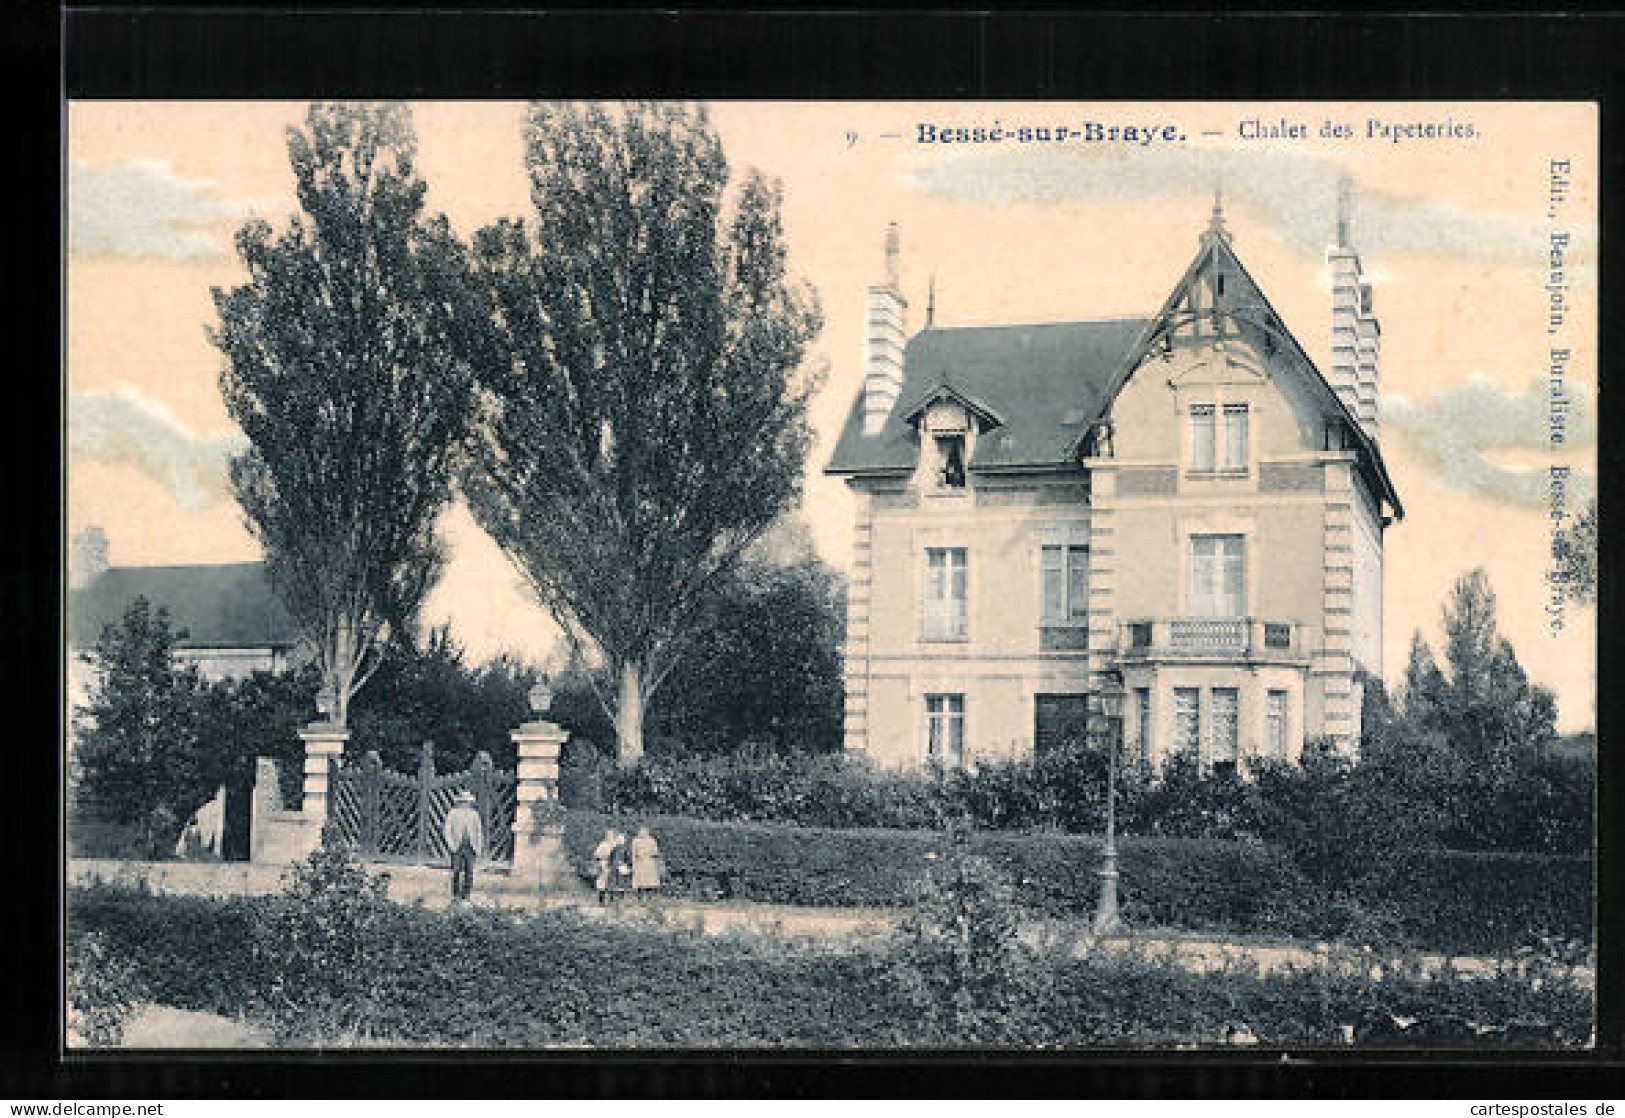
(229, 605)
(1043, 382)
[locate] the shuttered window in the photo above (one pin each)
(1187, 720)
(1202, 435)
(1226, 704)
(1142, 721)
(1218, 437)
(946, 591)
(1275, 724)
(1234, 440)
(1066, 582)
(945, 729)
(1218, 577)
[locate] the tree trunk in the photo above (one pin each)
(629, 715)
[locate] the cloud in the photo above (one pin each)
(1456, 429)
(1297, 194)
(141, 209)
(128, 428)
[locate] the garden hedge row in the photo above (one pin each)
(1440, 900)
(471, 977)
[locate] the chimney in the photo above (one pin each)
(1355, 334)
(883, 341)
(87, 557)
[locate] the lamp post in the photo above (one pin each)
(1107, 920)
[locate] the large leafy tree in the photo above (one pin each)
(348, 366)
(1575, 552)
(766, 668)
(646, 418)
(135, 744)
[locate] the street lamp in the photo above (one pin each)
(1107, 920)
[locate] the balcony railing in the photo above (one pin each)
(1205, 634)
(1210, 636)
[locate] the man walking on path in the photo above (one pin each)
(465, 838)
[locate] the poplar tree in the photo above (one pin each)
(646, 418)
(348, 367)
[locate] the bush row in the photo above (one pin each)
(559, 979)
(1366, 806)
(1439, 900)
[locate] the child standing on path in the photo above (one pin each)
(646, 863)
(602, 855)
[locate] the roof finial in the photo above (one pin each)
(1345, 203)
(1215, 225)
(931, 302)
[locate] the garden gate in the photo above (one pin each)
(395, 817)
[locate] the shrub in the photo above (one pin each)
(959, 961)
(102, 988)
(320, 955)
(188, 951)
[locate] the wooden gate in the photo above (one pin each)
(395, 817)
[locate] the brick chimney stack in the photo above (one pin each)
(87, 557)
(1356, 337)
(883, 340)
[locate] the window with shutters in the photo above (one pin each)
(1223, 749)
(1188, 720)
(945, 608)
(1275, 730)
(1142, 722)
(1066, 584)
(1233, 438)
(1202, 437)
(1217, 575)
(945, 729)
(1218, 438)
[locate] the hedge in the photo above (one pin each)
(1293, 806)
(1439, 900)
(479, 978)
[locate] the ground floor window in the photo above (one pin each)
(1142, 722)
(945, 729)
(1226, 705)
(1059, 722)
(1275, 725)
(1188, 720)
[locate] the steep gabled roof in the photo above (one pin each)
(228, 605)
(1251, 308)
(1044, 382)
(1050, 383)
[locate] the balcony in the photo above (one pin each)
(1205, 638)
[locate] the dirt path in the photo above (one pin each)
(163, 1026)
(809, 925)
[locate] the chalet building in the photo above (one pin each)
(1184, 503)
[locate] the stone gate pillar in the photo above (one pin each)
(538, 822)
(324, 743)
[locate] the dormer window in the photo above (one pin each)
(951, 461)
(949, 423)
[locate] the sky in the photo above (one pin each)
(1453, 230)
